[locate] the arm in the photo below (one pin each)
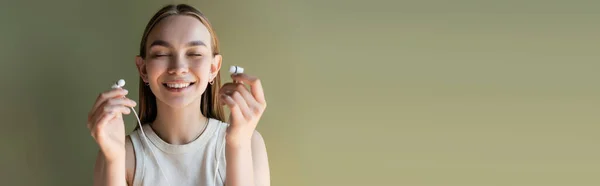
(105, 122)
(109, 173)
(247, 162)
(246, 155)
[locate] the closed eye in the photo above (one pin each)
(160, 55)
(194, 54)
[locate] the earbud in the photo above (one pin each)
(119, 83)
(236, 69)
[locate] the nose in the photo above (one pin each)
(178, 65)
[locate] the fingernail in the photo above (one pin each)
(126, 91)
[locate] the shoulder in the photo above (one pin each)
(260, 160)
(129, 160)
(129, 163)
(258, 146)
(257, 139)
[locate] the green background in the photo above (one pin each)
(418, 93)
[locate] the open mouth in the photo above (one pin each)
(177, 87)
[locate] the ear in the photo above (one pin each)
(141, 66)
(215, 66)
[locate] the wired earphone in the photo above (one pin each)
(121, 82)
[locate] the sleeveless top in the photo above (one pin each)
(187, 164)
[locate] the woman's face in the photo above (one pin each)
(179, 63)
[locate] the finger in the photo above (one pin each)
(121, 101)
(233, 107)
(254, 106)
(111, 102)
(243, 105)
(114, 110)
(101, 122)
(118, 109)
(228, 88)
(255, 85)
(107, 95)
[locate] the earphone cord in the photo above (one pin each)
(218, 157)
(148, 145)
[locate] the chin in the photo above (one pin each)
(177, 103)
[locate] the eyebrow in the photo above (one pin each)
(160, 43)
(167, 44)
(196, 43)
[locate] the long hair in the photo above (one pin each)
(209, 105)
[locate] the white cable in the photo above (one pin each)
(120, 84)
(218, 158)
(152, 151)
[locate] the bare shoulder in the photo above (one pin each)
(260, 160)
(129, 160)
(257, 138)
(258, 143)
(100, 164)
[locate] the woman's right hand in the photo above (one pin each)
(105, 121)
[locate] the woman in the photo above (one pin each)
(183, 139)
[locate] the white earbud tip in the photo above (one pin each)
(236, 69)
(114, 86)
(121, 82)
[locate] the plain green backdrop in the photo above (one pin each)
(420, 93)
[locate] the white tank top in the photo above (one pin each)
(188, 164)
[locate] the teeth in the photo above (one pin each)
(178, 85)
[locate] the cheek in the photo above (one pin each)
(201, 67)
(154, 69)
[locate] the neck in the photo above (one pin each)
(179, 125)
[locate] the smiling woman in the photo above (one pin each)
(181, 113)
(160, 50)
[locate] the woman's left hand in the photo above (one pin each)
(246, 106)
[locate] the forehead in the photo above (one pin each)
(179, 30)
